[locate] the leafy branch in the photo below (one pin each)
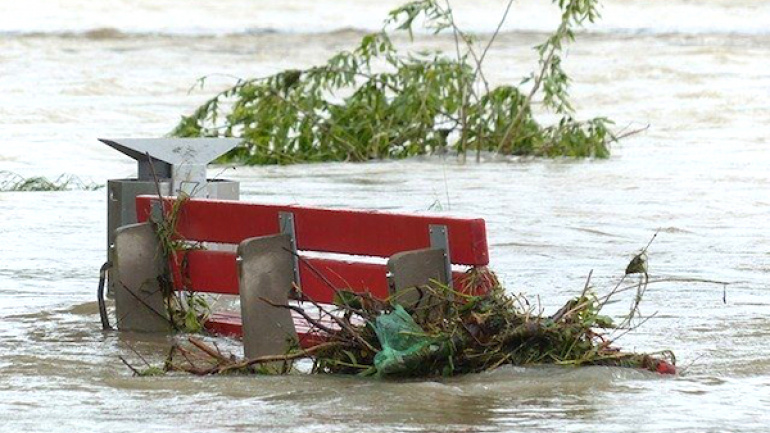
(377, 101)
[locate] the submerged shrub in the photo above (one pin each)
(13, 182)
(378, 102)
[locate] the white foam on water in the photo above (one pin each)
(209, 17)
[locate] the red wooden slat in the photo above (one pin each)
(320, 277)
(230, 325)
(337, 231)
(206, 271)
(217, 272)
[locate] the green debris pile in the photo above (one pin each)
(469, 334)
(448, 333)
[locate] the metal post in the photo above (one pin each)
(286, 223)
(439, 239)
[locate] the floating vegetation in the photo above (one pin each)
(10, 181)
(379, 101)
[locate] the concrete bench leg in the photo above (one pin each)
(265, 269)
(411, 270)
(137, 264)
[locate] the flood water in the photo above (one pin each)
(697, 72)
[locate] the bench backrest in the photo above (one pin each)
(351, 232)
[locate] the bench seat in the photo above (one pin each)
(319, 251)
(229, 324)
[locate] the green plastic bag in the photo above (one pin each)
(403, 343)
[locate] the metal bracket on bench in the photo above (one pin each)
(286, 222)
(138, 266)
(156, 211)
(263, 281)
(439, 239)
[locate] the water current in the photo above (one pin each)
(697, 72)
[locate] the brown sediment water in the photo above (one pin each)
(697, 73)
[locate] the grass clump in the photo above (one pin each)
(13, 182)
(187, 311)
(379, 101)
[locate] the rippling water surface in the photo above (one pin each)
(697, 72)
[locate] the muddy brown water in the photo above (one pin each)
(697, 73)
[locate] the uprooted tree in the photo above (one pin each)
(377, 101)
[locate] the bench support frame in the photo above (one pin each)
(286, 222)
(265, 274)
(439, 239)
(138, 267)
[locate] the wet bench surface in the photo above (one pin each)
(353, 236)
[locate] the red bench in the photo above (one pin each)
(314, 230)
